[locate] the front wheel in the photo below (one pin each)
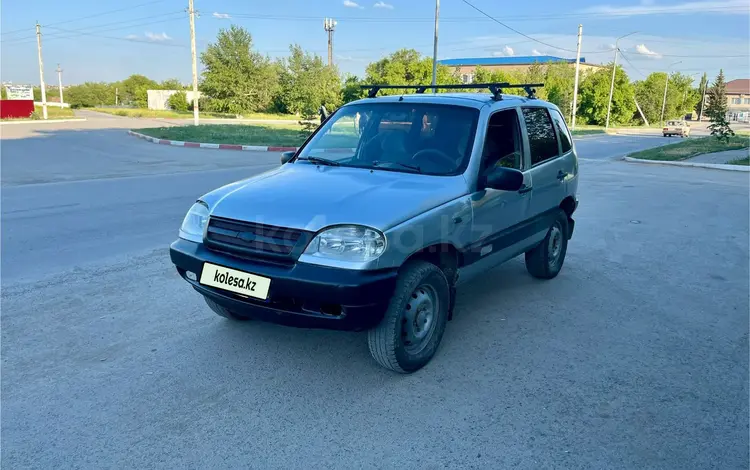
(546, 259)
(410, 332)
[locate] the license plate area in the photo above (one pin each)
(233, 280)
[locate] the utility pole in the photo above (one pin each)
(612, 85)
(195, 62)
(117, 96)
(435, 47)
(575, 85)
(703, 101)
(330, 26)
(41, 69)
(59, 84)
(664, 100)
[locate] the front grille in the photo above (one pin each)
(251, 240)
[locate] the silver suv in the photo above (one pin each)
(380, 214)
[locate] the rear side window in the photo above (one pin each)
(542, 140)
(562, 131)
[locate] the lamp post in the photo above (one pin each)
(666, 84)
(614, 69)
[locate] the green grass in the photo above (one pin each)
(743, 132)
(741, 161)
(169, 114)
(587, 131)
(281, 135)
(53, 112)
(690, 148)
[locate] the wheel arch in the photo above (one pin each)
(446, 257)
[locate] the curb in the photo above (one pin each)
(713, 166)
(178, 143)
(40, 121)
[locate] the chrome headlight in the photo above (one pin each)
(195, 222)
(347, 243)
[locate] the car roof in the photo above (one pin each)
(471, 100)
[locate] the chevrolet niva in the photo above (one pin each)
(374, 220)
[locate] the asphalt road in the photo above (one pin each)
(636, 356)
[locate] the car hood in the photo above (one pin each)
(311, 197)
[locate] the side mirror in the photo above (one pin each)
(286, 156)
(504, 179)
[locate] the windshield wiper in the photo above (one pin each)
(404, 165)
(320, 161)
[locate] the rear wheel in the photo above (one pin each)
(413, 326)
(546, 259)
(223, 312)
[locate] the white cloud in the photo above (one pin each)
(157, 37)
(507, 51)
(149, 36)
(383, 5)
(221, 16)
(643, 50)
(648, 7)
(351, 4)
(536, 52)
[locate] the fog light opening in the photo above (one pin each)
(191, 275)
(331, 309)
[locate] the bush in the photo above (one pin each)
(178, 102)
(35, 116)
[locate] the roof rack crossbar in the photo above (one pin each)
(495, 88)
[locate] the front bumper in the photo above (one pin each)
(302, 295)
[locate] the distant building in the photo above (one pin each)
(738, 100)
(466, 67)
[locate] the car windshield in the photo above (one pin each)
(407, 137)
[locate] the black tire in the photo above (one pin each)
(544, 261)
(389, 341)
(223, 312)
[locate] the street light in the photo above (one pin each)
(666, 84)
(614, 69)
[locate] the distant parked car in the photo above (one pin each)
(680, 128)
(372, 227)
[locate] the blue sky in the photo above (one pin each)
(153, 37)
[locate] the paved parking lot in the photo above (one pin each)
(636, 356)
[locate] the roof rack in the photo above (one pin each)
(495, 88)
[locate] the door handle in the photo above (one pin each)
(561, 175)
(524, 189)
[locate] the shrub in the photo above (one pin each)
(178, 101)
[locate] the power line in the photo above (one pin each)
(143, 41)
(472, 18)
(97, 29)
(631, 64)
(90, 16)
(515, 30)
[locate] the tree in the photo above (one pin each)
(352, 90)
(178, 101)
(717, 109)
(650, 94)
(699, 105)
(306, 82)
(236, 78)
(594, 97)
(134, 90)
(90, 94)
(171, 84)
(559, 81)
(407, 67)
